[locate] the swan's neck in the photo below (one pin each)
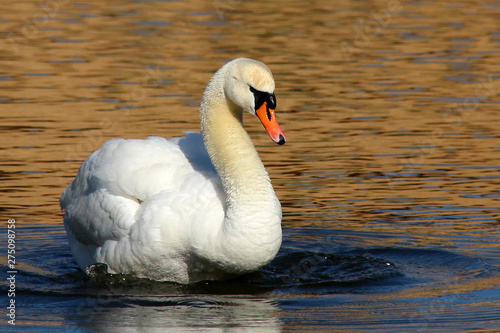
(233, 154)
(251, 230)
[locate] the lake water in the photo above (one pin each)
(389, 181)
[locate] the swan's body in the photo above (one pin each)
(199, 207)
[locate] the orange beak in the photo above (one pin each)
(268, 119)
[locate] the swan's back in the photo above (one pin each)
(128, 191)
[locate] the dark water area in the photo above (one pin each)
(321, 279)
(389, 180)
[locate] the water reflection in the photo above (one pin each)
(338, 273)
(181, 313)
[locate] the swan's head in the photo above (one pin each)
(250, 84)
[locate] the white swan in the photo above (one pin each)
(199, 207)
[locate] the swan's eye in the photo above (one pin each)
(272, 101)
(261, 97)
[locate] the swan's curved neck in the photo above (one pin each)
(253, 212)
(232, 152)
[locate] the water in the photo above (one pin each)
(322, 279)
(388, 181)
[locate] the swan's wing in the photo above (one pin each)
(103, 200)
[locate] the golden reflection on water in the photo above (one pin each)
(388, 106)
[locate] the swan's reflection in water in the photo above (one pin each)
(177, 314)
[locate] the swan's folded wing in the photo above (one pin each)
(102, 201)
